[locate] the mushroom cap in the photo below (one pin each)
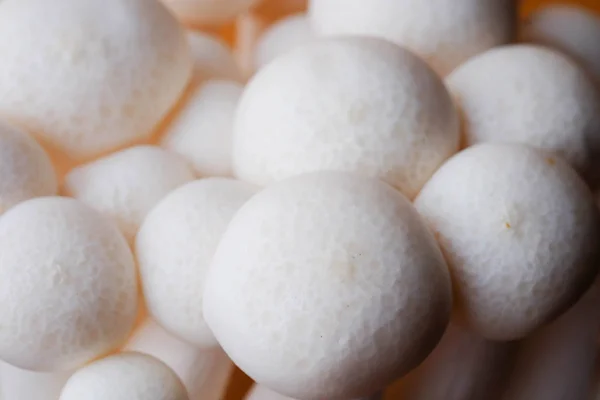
(571, 29)
(533, 95)
(68, 285)
(87, 76)
(125, 376)
(519, 230)
(202, 131)
(444, 32)
(126, 185)
(351, 104)
(25, 168)
(175, 246)
(284, 35)
(327, 285)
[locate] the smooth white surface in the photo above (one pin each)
(519, 230)
(327, 285)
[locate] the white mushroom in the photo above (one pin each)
(68, 285)
(175, 246)
(520, 231)
(125, 376)
(444, 32)
(90, 76)
(202, 131)
(348, 104)
(532, 95)
(574, 30)
(327, 285)
(126, 185)
(284, 35)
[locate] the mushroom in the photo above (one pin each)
(352, 104)
(125, 376)
(68, 285)
(327, 285)
(175, 246)
(126, 185)
(88, 76)
(444, 32)
(519, 230)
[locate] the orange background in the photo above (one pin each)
(240, 382)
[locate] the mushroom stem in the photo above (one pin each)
(463, 366)
(557, 362)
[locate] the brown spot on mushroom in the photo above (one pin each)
(507, 225)
(550, 160)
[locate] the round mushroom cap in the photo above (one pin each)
(68, 285)
(533, 95)
(520, 231)
(124, 186)
(25, 169)
(327, 285)
(90, 76)
(351, 104)
(202, 131)
(125, 376)
(284, 35)
(444, 32)
(571, 29)
(175, 246)
(208, 13)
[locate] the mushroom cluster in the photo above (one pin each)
(342, 199)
